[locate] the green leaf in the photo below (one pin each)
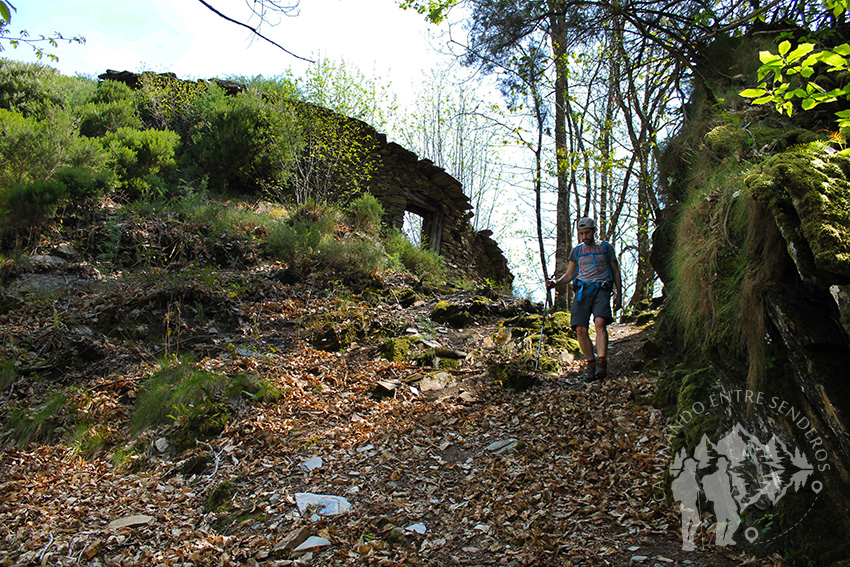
(809, 104)
(753, 93)
(843, 49)
(767, 57)
(784, 47)
(833, 59)
(5, 13)
(807, 72)
(762, 100)
(802, 50)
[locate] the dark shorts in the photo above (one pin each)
(597, 302)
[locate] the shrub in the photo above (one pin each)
(31, 149)
(27, 87)
(365, 213)
(164, 102)
(32, 204)
(244, 142)
(422, 263)
(308, 242)
(141, 157)
(83, 184)
(112, 91)
(335, 160)
(96, 119)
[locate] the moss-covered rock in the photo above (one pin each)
(220, 496)
(451, 314)
(397, 349)
(728, 140)
(809, 195)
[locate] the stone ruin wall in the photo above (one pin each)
(403, 182)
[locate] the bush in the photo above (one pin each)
(422, 263)
(32, 150)
(365, 214)
(27, 87)
(112, 91)
(307, 242)
(96, 119)
(244, 142)
(35, 203)
(141, 157)
(82, 184)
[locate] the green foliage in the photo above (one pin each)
(253, 387)
(8, 374)
(141, 157)
(178, 384)
(308, 242)
(335, 160)
(347, 91)
(426, 265)
(31, 149)
(32, 204)
(365, 214)
(112, 91)
(27, 87)
(98, 118)
(164, 102)
(89, 440)
(244, 143)
(787, 75)
(38, 424)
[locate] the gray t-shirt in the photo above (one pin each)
(594, 262)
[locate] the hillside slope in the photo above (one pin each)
(311, 388)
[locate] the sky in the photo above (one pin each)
(186, 38)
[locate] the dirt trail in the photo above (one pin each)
(458, 472)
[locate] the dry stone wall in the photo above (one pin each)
(403, 182)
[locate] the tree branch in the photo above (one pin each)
(255, 31)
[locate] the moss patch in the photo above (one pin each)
(397, 349)
(810, 197)
(451, 314)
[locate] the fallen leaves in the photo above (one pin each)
(440, 468)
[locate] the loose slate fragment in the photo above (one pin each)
(130, 521)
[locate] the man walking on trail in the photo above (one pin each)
(596, 271)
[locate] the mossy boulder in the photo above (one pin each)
(809, 196)
(728, 140)
(220, 496)
(397, 349)
(452, 314)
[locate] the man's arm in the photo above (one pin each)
(566, 278)
(618, 285)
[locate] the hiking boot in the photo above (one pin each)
(601, 368)
(590, 374)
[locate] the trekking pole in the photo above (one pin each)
(542, 323)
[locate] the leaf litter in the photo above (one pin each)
(406, 478)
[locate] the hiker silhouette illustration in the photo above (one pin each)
(718, 490)
(686, 491)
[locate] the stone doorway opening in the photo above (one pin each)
(423, 224)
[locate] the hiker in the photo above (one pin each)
(596, 272)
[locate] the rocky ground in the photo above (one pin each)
(360, 460)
